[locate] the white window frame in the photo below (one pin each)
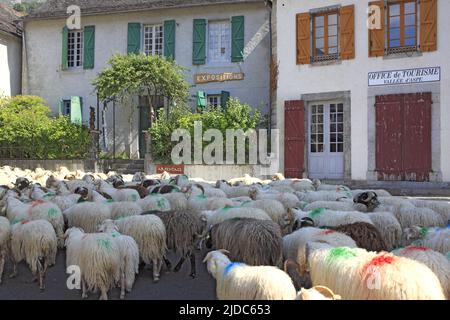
(227, 57)
(153, 50)
(74, 58)
(209, 97)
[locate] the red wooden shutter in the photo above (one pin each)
(347, 32)
(417, 136)
(294, 139)
(376, 36)
(389, 134)
(303, 38)
(428, 25)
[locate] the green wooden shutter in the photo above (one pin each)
(169, 39)
(199, 39)
(224, 97)
(89, 47)
(201, 100)
(61, 107)
(65, 40)
(76, 110)
(237, 42)
(134, 38)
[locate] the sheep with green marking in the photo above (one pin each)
(356, 274)
(437, 239)
(87, 215)
(36, 210)
(98, 257)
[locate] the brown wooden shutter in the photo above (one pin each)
(347, 33)
(428, 25)
(376, 36)
(294, 139)
(303, 38)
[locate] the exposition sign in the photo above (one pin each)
(219, 77)
(407, 76)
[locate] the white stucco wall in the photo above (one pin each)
(10, 64)
(45, 77)
(351, 75)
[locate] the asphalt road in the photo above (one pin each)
(172, 286)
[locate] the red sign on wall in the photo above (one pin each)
(172, 169)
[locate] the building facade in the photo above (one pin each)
(206, 36)
(10, 52)
(362, 89)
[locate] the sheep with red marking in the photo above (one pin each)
(356, 274)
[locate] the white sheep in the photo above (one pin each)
(129, 256)
(379, 192)
(294, 244)
(335, 206)
(329, 218)
(288, 200)
(437, 239)
(5, 235)
(313, 196)
(198, 203)
(389, 227)
(124, 209)
(118, 194)
(434, 260)
(87, 215)
(98, 257)
(150, 235)
(441, 207)
(276, 212)
(413, 216)
(233, 192)
(356, 274)
(228, 213)
(301, 185)
(34, 242)
(36, 210)
(164, 202)
(237, 281)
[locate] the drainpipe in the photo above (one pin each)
(268, 4)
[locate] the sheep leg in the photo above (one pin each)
(42, 268)
(15, 272)
(155, 271)
(122, 286)
(2, 264)
(104, 294)
(168, 264)
(179, 264)
(193, 267)
(84, 295)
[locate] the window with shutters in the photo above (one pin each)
(402, 21)
(325, 36)
(66, 108)
(75, 49)
(153, 39)
(214, 100)
(219, 41)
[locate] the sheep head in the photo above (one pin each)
(317, 293)
(368, 198)
(216, 261)
(22, 183)
(108, 226)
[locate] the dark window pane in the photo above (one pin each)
(410, 32)
(340, 127)
(320, 136)
(332, 19)
(320, 148)
(313, 148)
(333, 137)
(320, 32)
(332, 108)
(410, 20)
(332, 31)
(340, 107)
(340, 147)
(410, 42)
(394, 10)
(320, 109)
(394, 22)
(394, 33)
(410, 7)
(333, 127)
(320, 119)
(340, 137)
(395, 43)
(332, 147)
(340, 117)
(320, 21)
(313, 138)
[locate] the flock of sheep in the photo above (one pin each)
(280, 239)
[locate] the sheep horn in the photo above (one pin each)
(200, 187)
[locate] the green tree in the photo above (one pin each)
(137, 74)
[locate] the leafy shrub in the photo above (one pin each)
(28, 131)
(235, 116)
